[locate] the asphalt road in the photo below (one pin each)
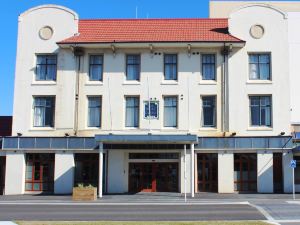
(129, 212)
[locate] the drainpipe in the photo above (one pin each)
(224, 88)
(78, 52)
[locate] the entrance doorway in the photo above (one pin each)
(153, 177)
(245, 172)
(277, 173)
(39, 172)
(207, 172)
(2, 174)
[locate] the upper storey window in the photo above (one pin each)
(170, 62)
(259, 67)
(261, 110)
(133, 67)
(96, 68)
(46, 67)
(43, 109)
(208, 62)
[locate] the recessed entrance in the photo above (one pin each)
(207, 172)
(153, 177)
(39, 172)
(2, 174)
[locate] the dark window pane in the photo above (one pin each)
(133, 67)
(259, 67)
(208, 67)
(46, 67)
(208, 111)
(96, 67)
(170, 65)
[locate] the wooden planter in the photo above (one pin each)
(84, 194)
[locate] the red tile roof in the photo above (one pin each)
(152, 30)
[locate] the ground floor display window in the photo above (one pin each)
(2, 174)
(86, 169)
(39, 172)
(207, 172)
(245, 172)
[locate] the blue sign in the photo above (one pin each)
(293, 164)
(153, 109)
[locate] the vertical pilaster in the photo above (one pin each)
(192, 170)
(100, 191)
(264, 172)
(225, 172)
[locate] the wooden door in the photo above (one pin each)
(277, 173)
(207, 172)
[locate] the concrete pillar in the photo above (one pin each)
(100, 185)
(64, 173)
(287, 172)
(225, 172)
(188, 172)
(117, 176)
(265, 172)
(192, 170)
(15, 173)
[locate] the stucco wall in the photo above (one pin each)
(275, 42)
(64, 23)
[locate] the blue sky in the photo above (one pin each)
(86, 9)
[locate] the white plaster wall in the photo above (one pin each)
(15, 173)
(287, 172)
(294, 49)
(274, 41)
(188, 172)
(116, 174)
(264, 172)
(64, 173)
(114, 87)
(225, 172)
(64, 23)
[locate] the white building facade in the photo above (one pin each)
(153, 105)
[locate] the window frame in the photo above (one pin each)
(177, 110)
(37, 64)
(90, 64)
(215, 111)
(215, 65)
(53, 111)
(271, 111)
(164, 58)
(138, 110)
(139, 66)
(270, 66)
(100, 110)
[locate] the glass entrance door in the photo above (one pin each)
(277, 173)
(153, 177)
(207, 168)
(39, 172)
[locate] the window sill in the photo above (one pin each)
(94, 83)
(259, 82)
(208, 82)
(42, 129)
(213, 129)
(260, 129)
(134, 82)
(93, 128)
(169, 82)
(37, 83)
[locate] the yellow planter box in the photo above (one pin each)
(84, 194)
